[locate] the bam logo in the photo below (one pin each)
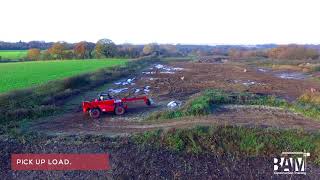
(291, 163)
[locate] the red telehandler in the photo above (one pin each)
(106, 103)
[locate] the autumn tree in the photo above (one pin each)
(292, 52)
(34, 54)
(149, 49)
(80, 50)
(245, 53)
(168, 50)
(234, 54)
(217, 51)
(57, 50)
(201, 52)
(68, 54)
(129, 51)
(83, 49)
(105, 48)
(45, 55)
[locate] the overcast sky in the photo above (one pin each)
(162, 21)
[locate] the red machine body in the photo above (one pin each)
(118, 106)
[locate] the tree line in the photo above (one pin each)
(282, 52)
(25, 45)
(104, 48)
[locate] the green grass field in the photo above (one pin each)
(13, 54)
(25, 74)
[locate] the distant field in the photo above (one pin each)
(13, 54)
(26, 74)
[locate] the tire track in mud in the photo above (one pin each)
(196, 77)
(234, 115)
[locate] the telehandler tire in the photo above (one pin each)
(95, 113)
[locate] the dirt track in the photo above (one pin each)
(251, 116)
(188, 79)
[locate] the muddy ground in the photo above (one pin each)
(248, 116)
(177, 81)
(129, 161)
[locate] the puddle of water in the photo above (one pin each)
(291, 75)
(173, 104)
(137, 91)
(165, 69)
(263, 70)
(159, 66)
(247, 82)
(285, 75)
(149, 72)
(178, 69)
(117, 91)
(167, 72)
(146, 89)
(127, 82)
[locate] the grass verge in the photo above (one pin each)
(236, 141)
(206, 102)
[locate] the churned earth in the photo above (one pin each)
(75, 132)
(177, 81)
(129, 161)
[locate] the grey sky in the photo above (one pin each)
(162, 21)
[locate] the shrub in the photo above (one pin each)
(310, 97)
(293, 52)
(174, 140)
(316, 68)
(236, 141)
(205, 103)
(75, 82)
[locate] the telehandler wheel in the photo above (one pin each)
(148, 102)
(119, 110)
(95, 113)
